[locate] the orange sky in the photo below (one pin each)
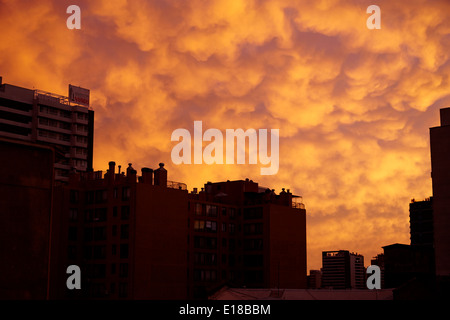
(353, 105)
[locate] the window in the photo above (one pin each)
(198, 209)
(90, 197)
(231, 228)
(253, 228)
(71, 252)
(253, 244)
(205, 243)
(125, 193)
(73, 214)
(123, 270)
(99, 252)
(199, 225)
(73, 196)
(113, 249)
(211, 226)
(96, 270)
(224, 227)
(113, 268)
(87, 253)
(88, 234)
(114, 211)
(211, 211)
(205, 258)
(124, 231)
(123, 290)
(100, 196)
(208, 226)
(72, 233)
(224, 211)
(100, 214)
(125, 212)
(232, 212)
(99, 233)
(205, 275)
(124, 251)
(64, 125)
(114, 230)
(115, 193)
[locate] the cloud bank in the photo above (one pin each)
(353, 105)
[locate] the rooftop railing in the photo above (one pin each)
(176, 185)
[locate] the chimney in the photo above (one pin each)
(160, 176)
(147, 175)
(111, 171)
(131, 173)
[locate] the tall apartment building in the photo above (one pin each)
(421, 222)
(343, 270)
(440, 174)
(127, 233)
(65, 123)
(241, 234)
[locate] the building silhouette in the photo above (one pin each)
(315, 279)
(144, 237)
(343, 270)
(241, 234)
(379, 261)
(26, 188)
(440, 173)
(126, 233)
(421, 223)
(405, 263)
(49, 119)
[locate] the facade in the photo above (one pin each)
(343, 270)
(26, 188)
(244, 235)
(421, 222)
(440, 173)
(127, 234)
(49, 119)
(315, 279)
(147, 238)
(379, 261)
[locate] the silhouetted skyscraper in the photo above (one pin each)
(65, 123)
(440, 173)
(421, 222)
(343, 270)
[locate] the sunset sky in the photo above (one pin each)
(353, 105)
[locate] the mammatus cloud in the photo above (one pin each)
(353, 105)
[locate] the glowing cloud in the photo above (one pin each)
(353, 105)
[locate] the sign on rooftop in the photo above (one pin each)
(79, 95)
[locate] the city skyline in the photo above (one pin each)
(354, 106)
